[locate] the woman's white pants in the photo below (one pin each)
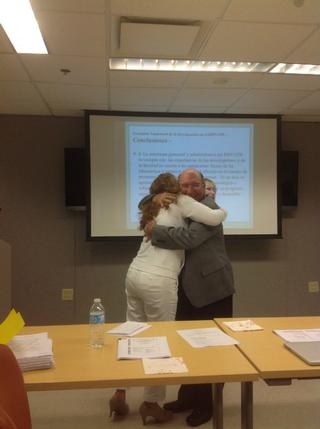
(151, 297)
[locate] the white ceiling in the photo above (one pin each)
(81, 35)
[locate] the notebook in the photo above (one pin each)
(308, 351)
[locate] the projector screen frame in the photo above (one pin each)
(163, 115)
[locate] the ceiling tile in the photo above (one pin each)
(150, 40)
(21, 98)
(308, 52)
(73, 33)
(60, 96)
(11, 68)
(264, 99)
(238, 110)
(196, 109)
(286, 81)
(69, 5)
(84, 70)
(222, 80)
(146, 79)
(310, 102)
(142, 96)
(147, 108)
(5, 45)
(169, 9)
(237, 41)
(274, 11)
(208, 97)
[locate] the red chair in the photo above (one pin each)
(14, 405)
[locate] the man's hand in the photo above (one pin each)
(164, 199)
(148, 229)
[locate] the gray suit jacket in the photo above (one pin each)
(207, 276)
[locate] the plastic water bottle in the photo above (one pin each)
(96, 322)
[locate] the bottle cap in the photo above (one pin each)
(96, 300)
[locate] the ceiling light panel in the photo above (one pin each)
(305, 69)
(141, 64)
(20, 24)
(187, 65)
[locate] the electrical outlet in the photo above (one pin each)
(67, 294)
(313, 287)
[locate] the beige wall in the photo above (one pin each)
(50, 252)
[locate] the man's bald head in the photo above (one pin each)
(192, 183)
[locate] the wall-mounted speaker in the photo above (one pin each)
(289, 172)
(75, 178)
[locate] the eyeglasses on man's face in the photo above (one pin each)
(194, 185)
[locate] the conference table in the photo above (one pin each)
(265, 350)
(79, 366)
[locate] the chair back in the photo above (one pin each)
(14, 405)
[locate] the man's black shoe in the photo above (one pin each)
(176, 406)
(198, 417)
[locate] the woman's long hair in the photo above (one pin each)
(165, 182)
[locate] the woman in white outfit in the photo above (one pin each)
(152, 278)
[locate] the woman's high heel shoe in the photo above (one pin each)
(153, 409)
(118, 404)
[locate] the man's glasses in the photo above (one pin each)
(191, 185)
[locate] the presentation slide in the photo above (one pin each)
(238, 154)
(222, 153)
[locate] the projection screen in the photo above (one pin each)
(127, 151)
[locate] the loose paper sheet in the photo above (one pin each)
(298, 335)
(164, 366)
(143, 347)
(206, 337)
(129, 328)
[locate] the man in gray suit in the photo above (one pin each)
(205, 284)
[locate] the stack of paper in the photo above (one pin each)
(32, 351)
(129, 328)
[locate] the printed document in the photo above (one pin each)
(143, 347)
(206, 337)
(298, 335)
(129, 328)
(164, 366)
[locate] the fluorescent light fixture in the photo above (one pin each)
(187, 65)
(20, 24)
(142, 64)
(296, 69)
